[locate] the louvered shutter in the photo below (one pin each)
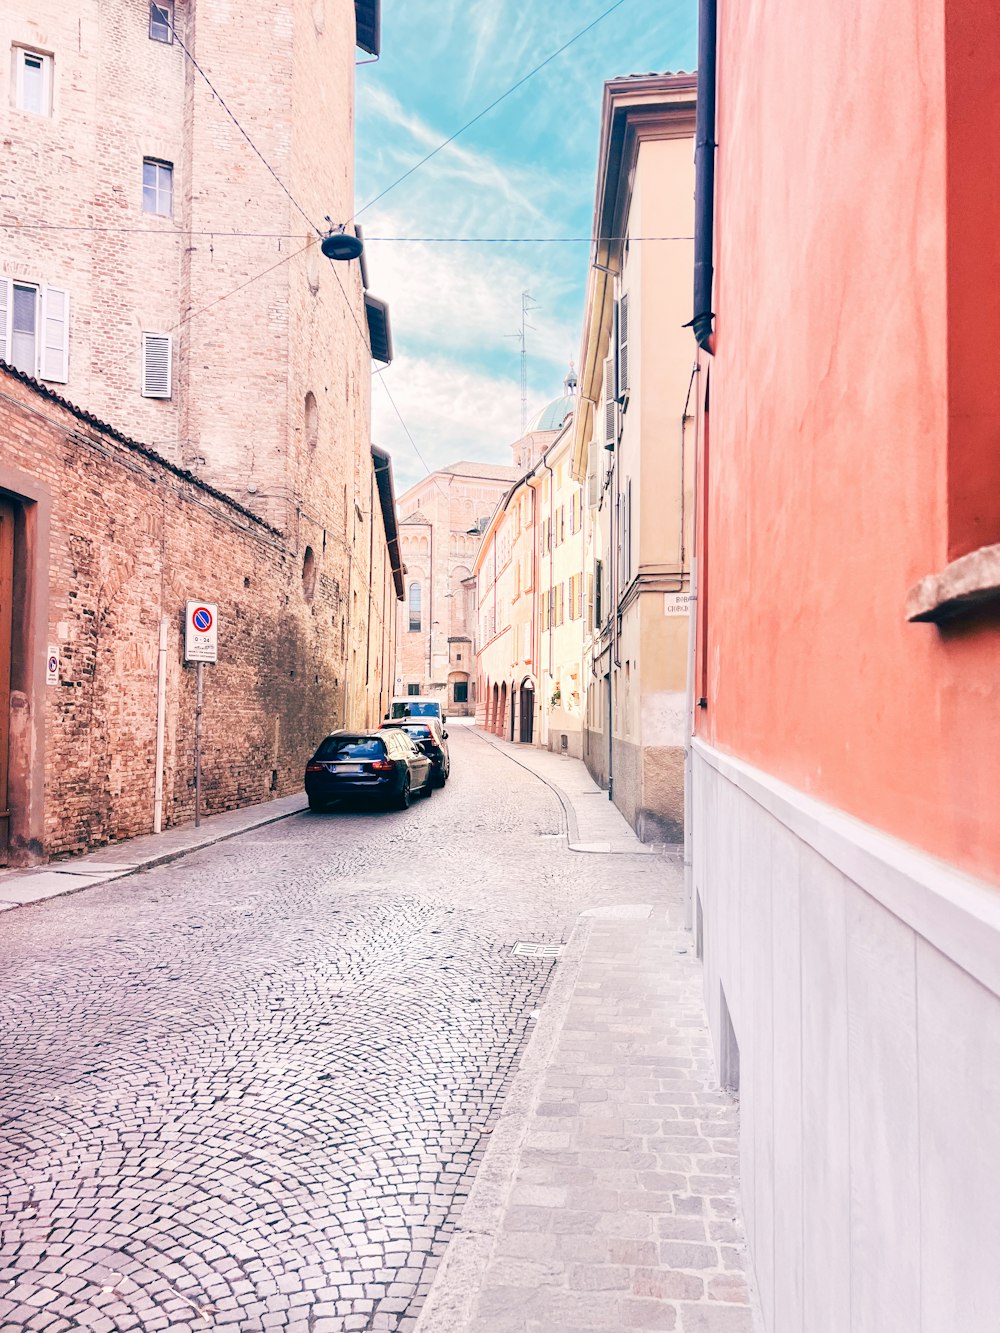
(590, 603)
(156, 365)
(609, 402)
(5, 308)
(54, 357)
(623, 384)
(593, 474)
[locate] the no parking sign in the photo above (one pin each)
(201, 632)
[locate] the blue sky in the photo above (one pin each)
(527, 169)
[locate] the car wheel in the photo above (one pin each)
(403, 799)
(316, 805)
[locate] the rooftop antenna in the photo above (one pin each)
(522, 337)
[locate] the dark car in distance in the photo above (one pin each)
(428, 735)
(374, 767)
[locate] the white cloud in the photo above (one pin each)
(452, 412)
(461, 185)
(468, 297)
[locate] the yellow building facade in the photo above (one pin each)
(632, 451)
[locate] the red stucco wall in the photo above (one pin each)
(828, 486)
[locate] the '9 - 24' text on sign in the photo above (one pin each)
(201, 632)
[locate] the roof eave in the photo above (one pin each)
(382, 463)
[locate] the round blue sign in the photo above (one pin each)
(202, 619)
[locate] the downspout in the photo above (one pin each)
(552, 543)
(691, 644)
(161, 722)
(701, 324)
(430, 614)
(368, 626)
(689, 712)
(704, 177)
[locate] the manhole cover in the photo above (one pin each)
(528, 949)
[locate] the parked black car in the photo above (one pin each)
(383, 767)
(428, 735)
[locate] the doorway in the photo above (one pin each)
(527, 710)
(6, 632)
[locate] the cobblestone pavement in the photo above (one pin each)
(250, 1089)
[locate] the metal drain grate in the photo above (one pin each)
(529, 949)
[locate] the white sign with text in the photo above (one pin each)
(201, 632)
(677, 603)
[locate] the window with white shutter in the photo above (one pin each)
(5, 320)
(594, 469)
(156, 365)
(623, 384)
(34, 329)
(610, 406)
(24, 328)
(54, 357)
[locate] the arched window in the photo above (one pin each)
(414, 608)
(312, 420)
(309, 573)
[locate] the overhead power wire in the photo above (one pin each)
(406, 431)
(232, 116)
(182, 233)
(256, 278)
(487, 109)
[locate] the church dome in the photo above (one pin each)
(553, 415)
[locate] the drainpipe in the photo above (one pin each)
(552, 543)
(430, 614)
(704, 177)
(688, 750)
(161, 720)
(368, 627)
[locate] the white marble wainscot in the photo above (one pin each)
(862, 980)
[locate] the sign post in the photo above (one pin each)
(201, 645)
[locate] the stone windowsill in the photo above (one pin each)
(965, 584)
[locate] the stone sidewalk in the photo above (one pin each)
(19, 888)
(594, 824)
(608, 1198)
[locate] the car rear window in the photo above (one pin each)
(422, 732)
(357, 747)
(416, 708)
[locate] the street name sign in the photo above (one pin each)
(677, 603)
(201, 632)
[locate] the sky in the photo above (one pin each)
(527, 169)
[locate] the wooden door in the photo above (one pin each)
(6, 625)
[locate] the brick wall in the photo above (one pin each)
(130, 540)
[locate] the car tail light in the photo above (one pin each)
(314, 768)
(382, 765)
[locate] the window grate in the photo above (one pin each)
(156, 357)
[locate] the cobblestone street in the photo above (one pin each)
(250, 1089)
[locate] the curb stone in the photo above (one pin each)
(457, 1284)
(79, 878)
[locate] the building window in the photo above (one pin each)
(312, 420)
(157, 365)
(309, 573)
(461, 691)
(415, 608)
(32, 82)
(412, 689)
(157, 187)
(34, 329)
(161, 20)
(24, 329)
